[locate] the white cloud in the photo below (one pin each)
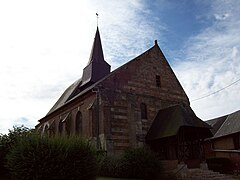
(45, 45)
(128, 31)
(213, 62)
(43, 49)
(221, 17)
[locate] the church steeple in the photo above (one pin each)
(97, 67)
(97, 52)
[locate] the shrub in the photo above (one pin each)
(140, 163)
(222, 165)
(7, 142)
(110, 166)
(3, 153)
(36, 157)
(134, 163)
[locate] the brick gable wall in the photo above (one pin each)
(129, 86)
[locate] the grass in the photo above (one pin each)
(98, 178)
(5, 177)
(110, 178)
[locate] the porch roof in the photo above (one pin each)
(168, 122)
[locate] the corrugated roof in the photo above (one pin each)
(230, 125)
(168, 122)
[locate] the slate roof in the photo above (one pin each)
(225, 125)
(216, 123)
(65, 96)
(76, 90)
(95, 70)
(96, 52)
(97, 67)
(168, 122)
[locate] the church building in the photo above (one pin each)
(140, 103)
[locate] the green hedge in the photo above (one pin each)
(110, 166)
(38, 158)
(8, 141)
(218, 164)
(134, 163)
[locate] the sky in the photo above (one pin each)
(44, 45)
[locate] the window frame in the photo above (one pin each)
(78, 123)
(143, 110)
(158, 81)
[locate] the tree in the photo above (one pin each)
(7, 141)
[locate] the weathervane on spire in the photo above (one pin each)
(97, 18)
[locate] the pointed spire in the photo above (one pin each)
(97, 67)
(97, 52)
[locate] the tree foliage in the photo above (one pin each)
(8, 141)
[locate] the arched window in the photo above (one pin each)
(158, 81)
(143, 108)
(68, 125)
(60, 127)
(78, 123)
(40, 129)
(52, 128)
(63, 127)
(46, 129)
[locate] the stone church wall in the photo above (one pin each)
(124, 91)
(83, 105)
(129, 99)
